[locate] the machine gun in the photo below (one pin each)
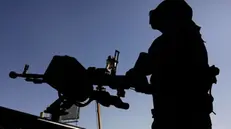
(75, 84)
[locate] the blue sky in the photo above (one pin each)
(32, 31)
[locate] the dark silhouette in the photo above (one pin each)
(181, 77)
(12, 119)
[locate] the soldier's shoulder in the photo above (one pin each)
(159, 39)
(157, 43)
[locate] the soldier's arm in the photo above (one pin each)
(147, 61)
(143, 64)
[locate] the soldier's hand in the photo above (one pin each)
(131, 72)
(136, 79)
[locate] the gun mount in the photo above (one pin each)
(75, 84)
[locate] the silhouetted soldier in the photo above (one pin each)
(178, 63)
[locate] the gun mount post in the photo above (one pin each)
(111, 66)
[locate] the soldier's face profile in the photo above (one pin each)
(154, 20)
(151, 19)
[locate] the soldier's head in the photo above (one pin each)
(170, 13)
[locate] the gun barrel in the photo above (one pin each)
(15, 75)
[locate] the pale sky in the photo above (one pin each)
(33, 31)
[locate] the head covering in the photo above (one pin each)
(172, 9)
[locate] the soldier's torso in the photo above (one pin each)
(176, 60)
